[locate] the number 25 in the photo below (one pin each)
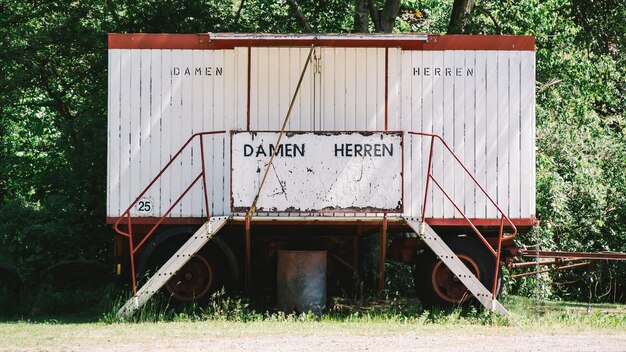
(144, 206)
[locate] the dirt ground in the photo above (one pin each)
(390, 342)
(303, 336)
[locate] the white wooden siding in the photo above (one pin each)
(487, 117)
(125, 128)
(527, 133)
(352, 89)
(488, 120)
(152, 113)
(469, 133)
(480, 123)
(274, 75)
(437, 203)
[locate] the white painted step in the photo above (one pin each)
(452, 261)
(169, 269)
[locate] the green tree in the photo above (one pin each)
(53, 64)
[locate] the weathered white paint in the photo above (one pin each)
(488, 120)
(153, 111)
(311, 172)
(273, 78)
(527, 134)
(487, 117)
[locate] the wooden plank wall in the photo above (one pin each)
(486, 117)
(153, 112)
(485, 112)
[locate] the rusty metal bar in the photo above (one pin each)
(383, 254)
(132, 256)
(473, 179)
(515, 276)
(178, 153)
(321, 219)
(495, 252)
(166, 214)
(428, 177)
(480, 235)
(355, 253)
(499, 252)
(545, 262)
(578, 255)
(206, 194)
(248, 257)
(133, 249)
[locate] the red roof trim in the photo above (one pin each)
(481, 42)
(405, 42)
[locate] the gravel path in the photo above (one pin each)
(272, 337)
(392, 342)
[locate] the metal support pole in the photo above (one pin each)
(248, 259)
(206, 194)
(355, 253)
(132, 266)
(383, 254)
(428, 177)
(494, 291)
(537, 279)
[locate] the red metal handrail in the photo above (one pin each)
(133, 249)
(429, 176)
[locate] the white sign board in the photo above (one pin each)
(318, 171)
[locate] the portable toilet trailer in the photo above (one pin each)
(429, 135)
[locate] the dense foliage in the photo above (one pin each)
(53, 65)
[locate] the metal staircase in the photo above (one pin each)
(124, 227)
(169, 269)
(452, 261)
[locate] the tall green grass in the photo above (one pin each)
(223, 307)
(101, 305)
(597, 315)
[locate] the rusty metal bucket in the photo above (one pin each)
(301, 281)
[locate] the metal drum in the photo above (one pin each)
(301, 281)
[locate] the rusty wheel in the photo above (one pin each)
(206, 272)
(436, 285)
(447, 285)
(192, 281)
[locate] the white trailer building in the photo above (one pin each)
(384, 130)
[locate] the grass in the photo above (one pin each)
(183, 328)
(566, 314)
(231, 319)
(393, 312)
(100, 306)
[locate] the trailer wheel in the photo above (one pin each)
(197, 279)
(206, 272)
(436, 285)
